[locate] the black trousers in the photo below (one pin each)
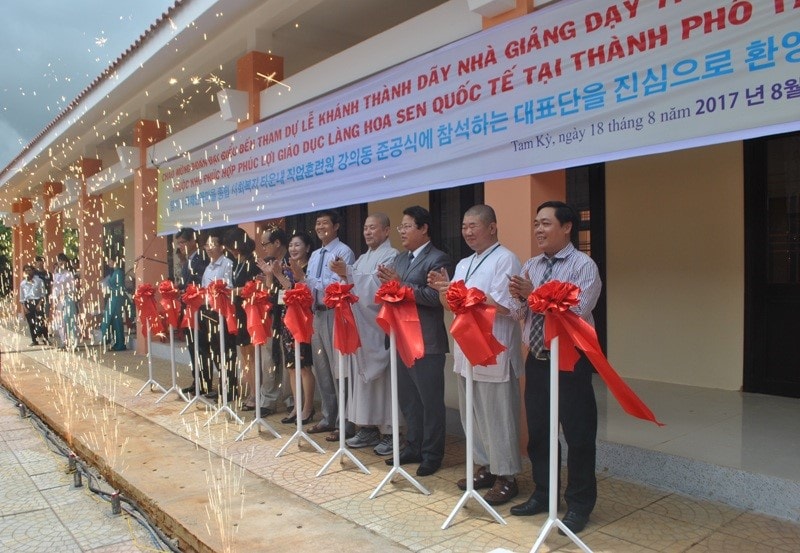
(421, 398)
(35, 318)
(209, 349)
(578, 418)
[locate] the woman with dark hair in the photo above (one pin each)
(286, 275)
(245, 268)
(65, 304)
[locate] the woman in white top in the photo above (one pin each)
(63, 298)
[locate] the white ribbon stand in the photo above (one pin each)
(174, 387)
(342, 428)
(150, 381)
(552, 515)
(396, 468)
(298, 407)
(258, 421)
(470, 492)
(223, 372)
(197, 396)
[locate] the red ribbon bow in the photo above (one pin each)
(219, 299)
(258, 309)
(473, 323)
(145, 301)
(398, 313)
(298, 318)
(345, 332)
(193, 298)
(554, 299)
(169, 302)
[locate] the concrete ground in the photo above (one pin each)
(212, 493)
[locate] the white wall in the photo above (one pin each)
(675, 281)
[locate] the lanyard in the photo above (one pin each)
(470, 272)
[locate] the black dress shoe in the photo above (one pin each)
(574, 521)
(406, 457)
(212, 396)
(289, 419)
(265, 412)
(188, 390)
(310, 417)
(426, 469)
(531, 507)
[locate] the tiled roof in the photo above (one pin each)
(108, 72)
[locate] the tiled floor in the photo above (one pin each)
(629, 516)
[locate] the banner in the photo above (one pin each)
(574, 83)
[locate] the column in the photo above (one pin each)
(90, 246)
(53, 236)
(249, 71)
(149, 259)
(24, 244)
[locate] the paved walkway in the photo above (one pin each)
(41, 510)
(219, 494)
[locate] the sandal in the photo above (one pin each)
(319, 428)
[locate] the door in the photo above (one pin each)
(772, 265)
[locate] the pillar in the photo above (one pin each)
(149, 259)
(249, 69)
(24, 237)
(90, 244)
(53, 236)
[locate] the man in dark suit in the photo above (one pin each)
(421, 386)
(190, 273)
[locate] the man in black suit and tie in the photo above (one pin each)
(421, 386)
(190, 273)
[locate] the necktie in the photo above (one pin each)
(319, 274)
(410, 257)
(537, 324)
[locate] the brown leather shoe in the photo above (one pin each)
(482, 479)
(503, 491)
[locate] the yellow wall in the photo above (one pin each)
(118, 205)
(394, 207)
(675, 282)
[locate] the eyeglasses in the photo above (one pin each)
(401, 228)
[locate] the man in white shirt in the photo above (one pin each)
(318, 276)
(496, 397)
(219, 267)
(31, 296)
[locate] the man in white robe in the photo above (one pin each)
(370, 402)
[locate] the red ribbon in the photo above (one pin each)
(193, 298)
(345, 332)
(298, 318)
(257, 307)
(169, 302)
(398, 313)
(554, 299)
(145, 301)
(219, 300)
(473, 323)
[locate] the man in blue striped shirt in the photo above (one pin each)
(560, 261)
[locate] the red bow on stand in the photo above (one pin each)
(345, 332)
(398, 313)
(473, 323)
(298, 318)
(193, 298)
(554, 299)
(145, 301)
(169, 302)
(258, 309)
(219, 300)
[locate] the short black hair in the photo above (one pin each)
(331, 214)
(420, 215)
(564, 213)
(277, 235)
(186, 233)
(237, 239)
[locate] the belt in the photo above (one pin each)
(321, 308)
(543, 355)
